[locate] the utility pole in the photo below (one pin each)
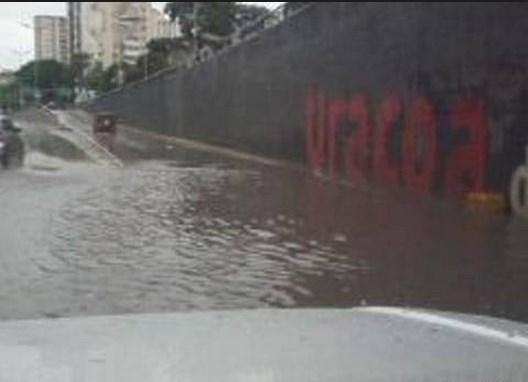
(75, 8)
(72, 32)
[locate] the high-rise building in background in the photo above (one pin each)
(52, 39)
(115, 32)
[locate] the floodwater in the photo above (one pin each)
(179, 230)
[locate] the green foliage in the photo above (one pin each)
(178, 9)
(161, 54)
(212, 22)
(246, 14)
(10, 94)
(50, 78)
(183, 11)
(213, 18)
(44, 74)
(217, 18)
(79, 65)
(131, 73)
(109, 79)
(202, 23)
(164, 53)
(94, 78)
(100, 80)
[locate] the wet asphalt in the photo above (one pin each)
(177, 229)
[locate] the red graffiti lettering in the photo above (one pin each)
(386, 173)
(315, 130)
(466, 168)
(357, 146)
(419, 172)
(346, 147)
(337, 110)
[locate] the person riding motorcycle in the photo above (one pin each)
(11, 145)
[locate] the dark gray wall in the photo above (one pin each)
(455, 72)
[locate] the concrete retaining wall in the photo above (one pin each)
(428, 96)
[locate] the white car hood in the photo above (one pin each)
(370, 344)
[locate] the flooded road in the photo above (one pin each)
(177, 229)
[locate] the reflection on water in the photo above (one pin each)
(181, 239)
(166, 237)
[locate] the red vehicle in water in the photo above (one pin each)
(105, 130)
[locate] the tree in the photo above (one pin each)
(110, 78)
(247, 14)
(100, 80)
(11, 94)
(164, 53)
(131, 73)
(209, 26)
(79, 66)
(215, 19)
(93, 79)
(184, 13)
(49, 77)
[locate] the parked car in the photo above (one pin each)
(12, 149)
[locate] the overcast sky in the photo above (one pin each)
(16, 40)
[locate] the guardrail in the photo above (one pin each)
(269, 20)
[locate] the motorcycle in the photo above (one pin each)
(12, 150)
